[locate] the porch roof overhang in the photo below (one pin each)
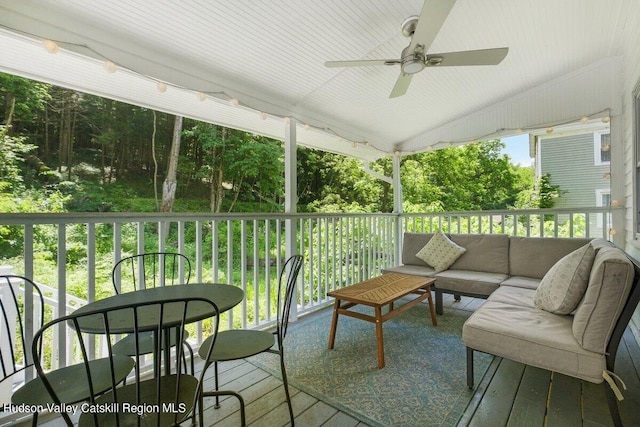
(564, 63)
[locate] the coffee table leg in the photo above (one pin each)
(334, 323)
(379, 339)
(432, 309)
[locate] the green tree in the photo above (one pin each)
(547, 193)
(470, 177)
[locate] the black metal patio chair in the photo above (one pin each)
(164, 400)
(241, 343)
(18, 331)
(150, 270)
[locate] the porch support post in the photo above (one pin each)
(291, 193)
(617, 181)
(397, 207)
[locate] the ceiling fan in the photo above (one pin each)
(422, 30)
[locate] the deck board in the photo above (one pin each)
(495, 407)
(594, 405)
(564, 402)
(509, 395)
(530, 405)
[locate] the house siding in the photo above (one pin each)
(570, 162)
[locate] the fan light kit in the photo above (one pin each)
(422, 30)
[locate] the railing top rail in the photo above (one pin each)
(561, 211)
(125, 217)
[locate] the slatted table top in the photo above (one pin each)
(381, 290)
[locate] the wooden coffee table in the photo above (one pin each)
(376, 293)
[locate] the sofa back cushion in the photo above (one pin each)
(411, 244)
(534, 256)
(488, 253)
(610, 282)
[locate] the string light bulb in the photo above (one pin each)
(606, 175)
(50, 46)
(615, 203)
(306, 127)
(584, 119)
(202, 96)
(549, 129)
(287, 120)
(606, 119)
(234, 102)
(397, 152)
(263, 115)
(613, 231)
(162, 87)
(110, 67)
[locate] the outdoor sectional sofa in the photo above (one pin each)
(578, 341)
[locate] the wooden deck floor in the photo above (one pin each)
(511, 395)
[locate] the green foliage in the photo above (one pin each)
(24, 98)
(547, 193)
(330, 182)
(471, 177)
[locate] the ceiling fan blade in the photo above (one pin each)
(363, 63)
(401, 86)
(432, 16)
(468, 57)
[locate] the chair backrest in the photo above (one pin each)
(286, 292)
(165, 400)
(149, 270)
(18, 325)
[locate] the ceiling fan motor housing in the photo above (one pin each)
(412, 61)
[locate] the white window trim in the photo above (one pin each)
(597, 147)
(599, 193)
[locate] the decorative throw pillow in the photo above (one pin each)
(440, 252)
(563, 287)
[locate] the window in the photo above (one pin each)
(603, 198)
(602, 147)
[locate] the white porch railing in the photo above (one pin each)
(247, 250)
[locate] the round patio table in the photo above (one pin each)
(121, 321)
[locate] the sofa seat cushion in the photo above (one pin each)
(531, 336)
(521, 282)
(469, 282)
(521, 297)
(413, 270)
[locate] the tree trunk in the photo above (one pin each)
(217, 175)
(170, 182)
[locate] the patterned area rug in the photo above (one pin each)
(422, 384)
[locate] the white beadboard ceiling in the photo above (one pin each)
(564, 62)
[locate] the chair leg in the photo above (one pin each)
(470, 367)
(215, 374)
(217, 393)
(286, 388)
(201, 406)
